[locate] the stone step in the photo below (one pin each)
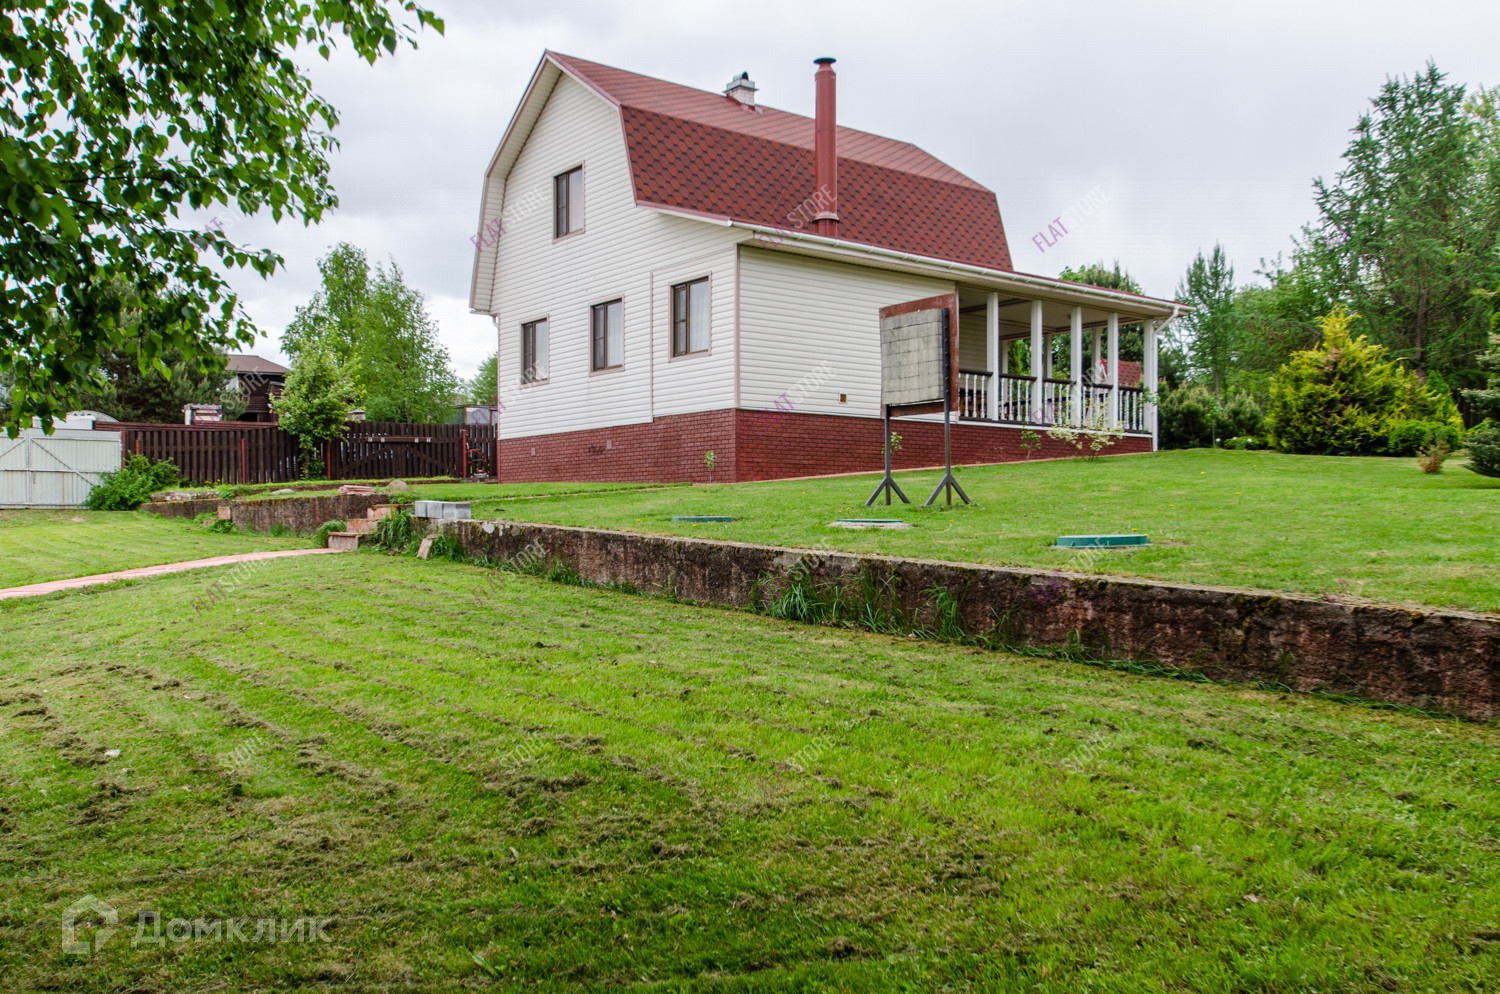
(381, 511)
(361, 526)
(343, 541)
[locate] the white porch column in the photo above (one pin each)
(1051, 341)
(1113, 374)
(1098, 354)
(1075, 364)
(1038, 362)
(1005, 357)
(994, 360)
(1149, 380)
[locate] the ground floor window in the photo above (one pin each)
(533, 351)
(690, 317)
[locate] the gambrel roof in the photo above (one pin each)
(706, 153)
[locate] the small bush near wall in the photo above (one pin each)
(320, 537)
(132, 485)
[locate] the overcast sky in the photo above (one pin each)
(1195, 122)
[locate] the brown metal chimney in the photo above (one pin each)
(825, 151)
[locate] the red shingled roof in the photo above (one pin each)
(705, 152)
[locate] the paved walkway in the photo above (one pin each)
(52, 586)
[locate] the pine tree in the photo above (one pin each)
(1483, 442)
(1409, 230)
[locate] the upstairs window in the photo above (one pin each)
(609, 335)
(533, 351)
(567, 202)
(690, 317)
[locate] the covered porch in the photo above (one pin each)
(1067, 369)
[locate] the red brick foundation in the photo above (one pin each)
(760, 445)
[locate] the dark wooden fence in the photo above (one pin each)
(233, 452)
(240, 452)
(373, 450)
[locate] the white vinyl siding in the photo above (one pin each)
(628, 253)
(797, 313)
(971, 328)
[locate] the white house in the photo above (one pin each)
(674, 273)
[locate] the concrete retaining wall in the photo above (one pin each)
(300, 514)
(1439, 660)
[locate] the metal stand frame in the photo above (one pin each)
(948, 484)
(887, 485)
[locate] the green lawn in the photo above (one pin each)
(590, 790)
(1373, 529)
(36, 546)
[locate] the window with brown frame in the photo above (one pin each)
(567, 202)
(534, 351)
(690, 317)
(609, 334)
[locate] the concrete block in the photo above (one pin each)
(343, 541)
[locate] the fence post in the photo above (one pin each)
(463, 455)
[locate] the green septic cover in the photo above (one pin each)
(702, 517)
(1101, 541)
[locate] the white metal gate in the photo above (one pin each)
(56, 470)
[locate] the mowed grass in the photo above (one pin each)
(590, 790)
(36, 546)
(1359, 529)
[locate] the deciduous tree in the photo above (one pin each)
(484, 387)
(318, 396)
(378, 328)
(115, 118)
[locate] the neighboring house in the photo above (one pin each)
(674, 272)
(257, 380)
